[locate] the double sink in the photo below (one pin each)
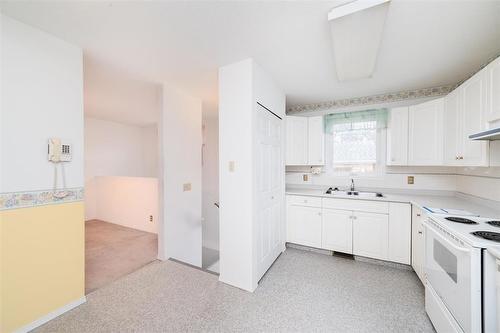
(335, 192)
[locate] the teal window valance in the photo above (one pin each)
(346, 121)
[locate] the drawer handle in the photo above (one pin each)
(420, 232)
(418, 215)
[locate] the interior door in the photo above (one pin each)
(269, 193)
(337, 230)
(370, 235)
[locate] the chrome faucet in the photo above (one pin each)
(352, 185)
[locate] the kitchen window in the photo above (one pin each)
(355, 141)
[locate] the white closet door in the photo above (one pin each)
(270, 192)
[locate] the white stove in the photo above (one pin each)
(464, 227)
(458, 272)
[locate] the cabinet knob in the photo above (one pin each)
(461, 157)
(418, 215)
(457, 158)
(420, 232)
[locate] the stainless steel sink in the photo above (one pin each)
(354, 194)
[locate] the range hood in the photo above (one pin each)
(489, 135)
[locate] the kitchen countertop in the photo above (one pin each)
(457, 201)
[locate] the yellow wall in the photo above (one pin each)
(42, 261)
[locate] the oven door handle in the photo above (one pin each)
(458, 248)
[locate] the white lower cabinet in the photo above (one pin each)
(304, 225)
(370, 235)
(337, 230)
(374, 229)
(418, 243)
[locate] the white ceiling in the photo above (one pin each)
(425, 43)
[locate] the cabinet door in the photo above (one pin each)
(452, 129)
(400, 232)
(493, 84)
(474, 153)
(397, 137)
(296, 141)
(370, 235)
(316, 141)
(337, 230)
(425, 128)
(417, 241)
(304, 225)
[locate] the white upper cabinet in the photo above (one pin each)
(296, 140)
(425, 133)
(305, 141)
(316, 141)
(493, 85)
(452, 139)
(397, 137)
(474, 95)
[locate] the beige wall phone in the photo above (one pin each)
(58, 153)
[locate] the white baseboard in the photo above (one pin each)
(49, 316)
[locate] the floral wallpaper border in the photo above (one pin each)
(15, 200)
(387, 97)
(374, 99)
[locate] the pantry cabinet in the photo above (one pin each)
(493, 88)
(418, 242)
(369, 228)
(425, 133)
(305, 144)
(397, 137)
(337, 230)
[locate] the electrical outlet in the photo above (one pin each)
(186, 187)
(305, 178)
(411, 180)
(150, 218)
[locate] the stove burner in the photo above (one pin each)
(460, 220)
(494, 223)
(493, 236)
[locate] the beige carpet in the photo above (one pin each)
(113, 251)
(302, 292)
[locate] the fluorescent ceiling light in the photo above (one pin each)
(357, 29)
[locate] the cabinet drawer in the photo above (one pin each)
(304, 200)
(357, 205)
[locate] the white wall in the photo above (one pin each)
(115, 149)
(127, 201)
(42, 97)
(210, 178)
(241, 86)
(111, 150)
(181, 141)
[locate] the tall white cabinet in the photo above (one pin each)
(305, 141)
(397, 137)
(251, 173)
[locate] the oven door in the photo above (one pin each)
(448, 271)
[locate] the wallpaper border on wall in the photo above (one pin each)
(14, 200)
(386, 97)
(374, 99)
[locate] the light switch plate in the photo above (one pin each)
(186, 187)
(411, 180)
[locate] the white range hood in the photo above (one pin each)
(488, 135)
